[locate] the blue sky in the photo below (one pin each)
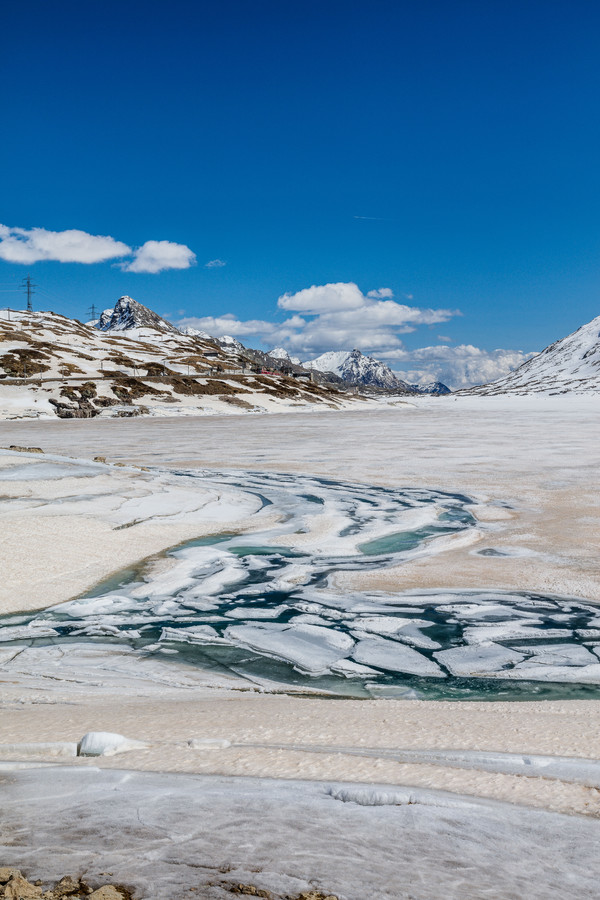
(443, 151)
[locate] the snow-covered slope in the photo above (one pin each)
(51, 365)
(354, 367)
(571, 365)
(129, 314)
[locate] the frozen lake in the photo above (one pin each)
(263, 607)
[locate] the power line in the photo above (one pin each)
(92, 312)
(29, 288)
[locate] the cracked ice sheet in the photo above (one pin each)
(482, 659)
(395, 657)
(90, 669)
(309, 648)
(93, 508)
(157, 833)
(48, 471)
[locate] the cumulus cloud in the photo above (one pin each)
(458, 367)
(156, 256)
(340, 317)
(22, 245)
(217, 326)
(382, 294)
(324, 298)
(215, 264)
(31, 245)
(335, 317)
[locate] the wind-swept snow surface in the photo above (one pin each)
(165, 835)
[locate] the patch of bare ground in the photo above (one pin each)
(66, 368)
(14, 886)
(86, 391)
(284, 387)
(155, 369)
(237, 401)
(17, 449)
(200, 363)
(16, 334)
(190, 386)
(250, 890)
(21, 362)
(119, 359)
(128, 388)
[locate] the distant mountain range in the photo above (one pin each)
(349, 367)
(133, 362)
(354, 367)
(570, 365)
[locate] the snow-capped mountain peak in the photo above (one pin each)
(195, 332)
(227, 342)
(437, 388)
(128, 313)
(354, 367)
(230, 343)
(280, 353)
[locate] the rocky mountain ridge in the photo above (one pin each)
(138, 364)
(128, 314)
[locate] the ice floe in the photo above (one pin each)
(484, 658)
(395, 657)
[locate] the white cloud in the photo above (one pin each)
(22, 245)
(217, 326)
(215, 264)
(381, 294)
(336, 317)
(31, 245)
(457, 367)
(340, 317)
(157, 256)
(324, 298)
